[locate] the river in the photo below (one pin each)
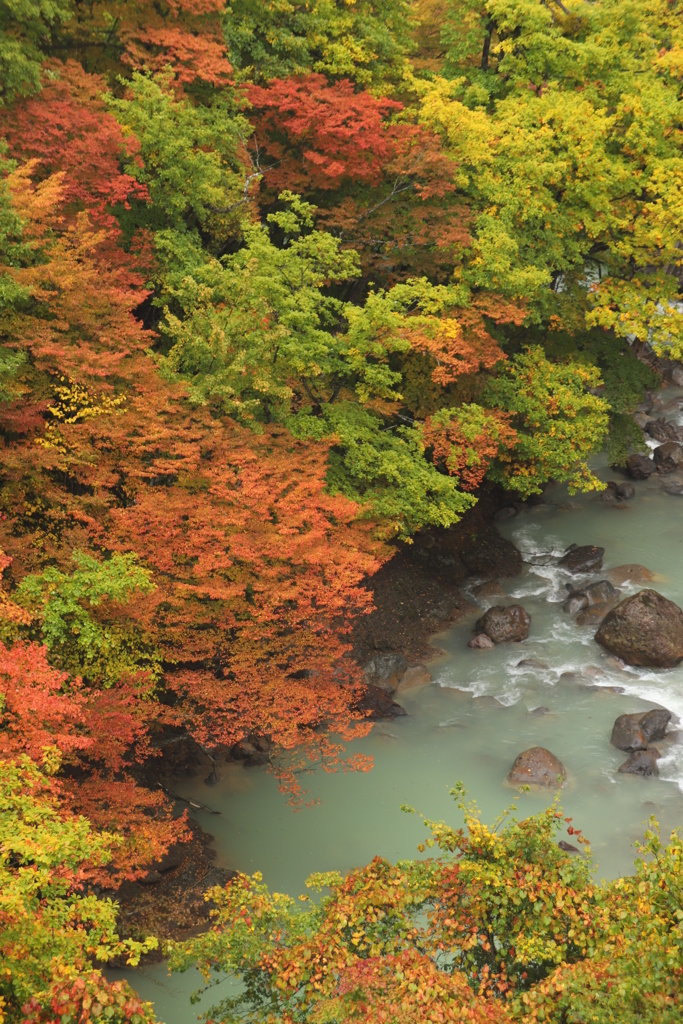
(473, 720)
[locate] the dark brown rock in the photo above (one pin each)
(503, 623)
(531, 663)
(567, 847)
(668, 457)
(377, 704)
(660, 430)
(582, 559)
(625, 492)
(640, 467)
(481, 642)
(490, 555)
(646, 630)
(636, 732)
(601, 593)
(593, 615)
(538, 767)
(641, 762)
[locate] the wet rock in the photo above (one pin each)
(489, 555)
(636, 732)
(567, 847)
(631, 573)
(487, 701)
(531, 663)
(673, 485)
(569, 677)
(249, 750)
(540, 710)
(386, 670)
(593, 672)
(641, 762)
(676, 375)
(610, 492)
(481, 642)
(626, 491)
(646, 630)
(414, 676)
(641, 419)
(640, 467)
(377, 704)
(586, 558)
(668, 457)
(538, 767)
(491, 589)
(660, 430)
(600, 593)
(505, 513)
(504, 623)
(594, 614)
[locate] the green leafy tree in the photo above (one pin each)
(557, 420)
(63, 606)
(26, 28)
(364, 40)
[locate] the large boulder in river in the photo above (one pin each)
(504, 622)
(637, 732)
(641, 762)
(640, 467)
(386, 670)
(630, 573)
(537, 767)
(646, 629)
(668, 457)
(582, 559)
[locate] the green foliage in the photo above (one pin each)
(564, 122)
(364, 40)
(558, 422)
(62, 606)
(47, 925)
(26, 28)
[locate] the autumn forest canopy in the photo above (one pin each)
(284, 284)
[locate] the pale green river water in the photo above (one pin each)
(451, 734)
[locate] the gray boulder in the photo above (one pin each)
(646, 630)
(640, 467)
(386, 670)
(537, 767)
(582, 559)
(503, 623)
(668, 457)
(676, 375)
(641, 762)
(636, 732)
(626, 491)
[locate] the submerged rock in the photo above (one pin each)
(567, 847)
(626, 491)
(537, 767)
(668, 457)
(646, 629)
(641, 762)
(504, 623)
(673, 485)
(594, 614)
(386, 670)
(582, 559)
(481, 642)
(640, 467)
(630, 573)
(493, 588)
(414, 676)
(531, 663)
(636, 732)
